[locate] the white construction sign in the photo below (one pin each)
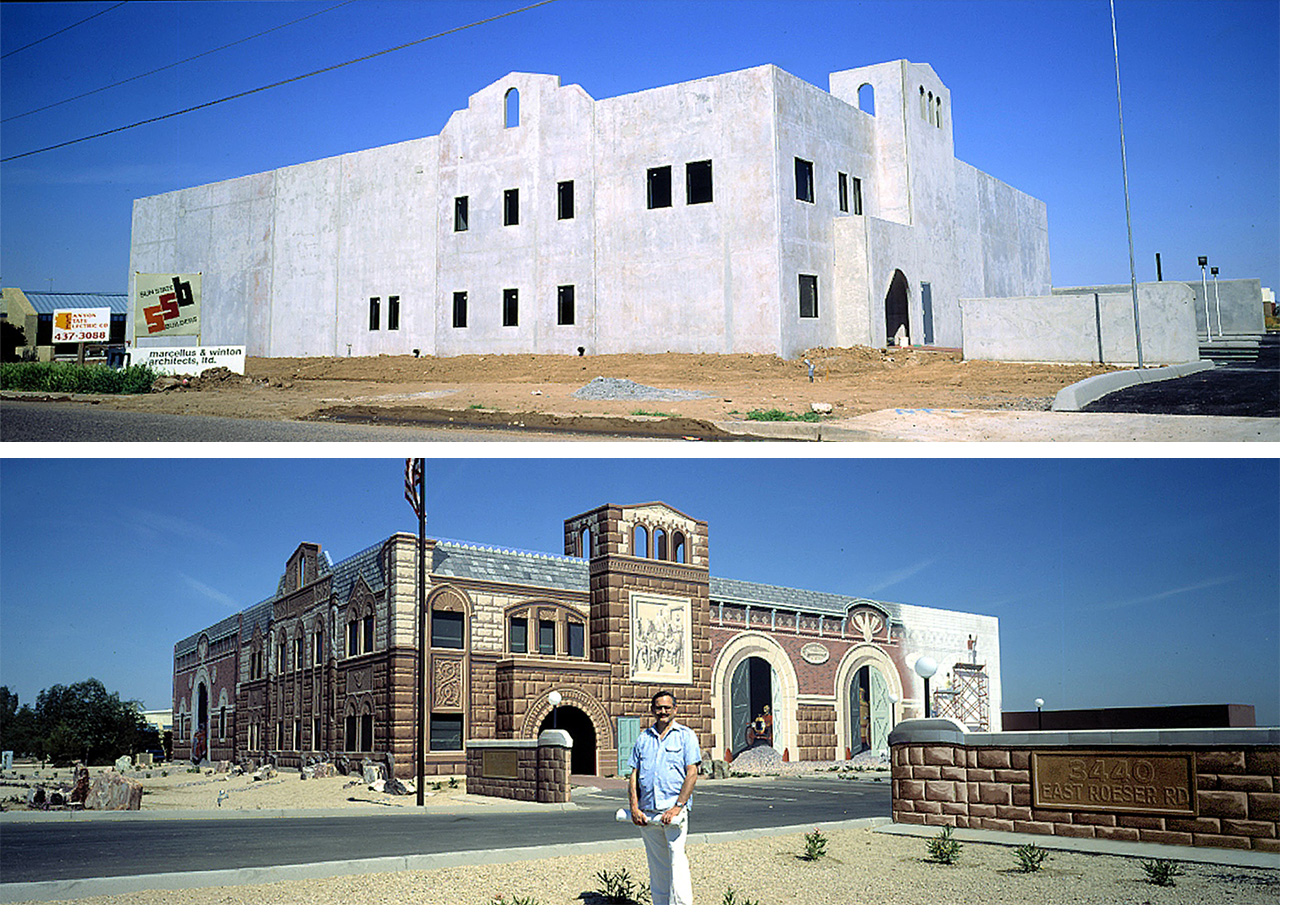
(191, 360)
(167, 305)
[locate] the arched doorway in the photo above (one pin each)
(869, 712)
(752, 705)
(584, 741)
(895, 307)
(200, 739)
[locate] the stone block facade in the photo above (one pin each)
(986, 781)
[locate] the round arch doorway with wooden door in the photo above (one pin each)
(754, 716)
(584, 740)
(870, 714)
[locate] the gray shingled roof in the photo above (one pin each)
(457, 560)
(805, 600)
(255, 618)
(368, 564)
(224, 628)
(323, 567)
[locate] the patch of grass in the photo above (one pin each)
(1029, 858)
(1162, 871)
(943, 848)
(653, 413)
(499, 900)
(620, 887)
(782, 416)
(77, 379)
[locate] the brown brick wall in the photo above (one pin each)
(991, 788)
(543, 775)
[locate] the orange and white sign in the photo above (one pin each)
(89, 325)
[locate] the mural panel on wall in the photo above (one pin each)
(660, 639)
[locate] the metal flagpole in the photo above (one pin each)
(1124, 169)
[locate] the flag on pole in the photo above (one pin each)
(413, 474)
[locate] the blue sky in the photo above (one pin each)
(1033, 91)
(1116, 582)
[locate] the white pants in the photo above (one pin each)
(668, 865)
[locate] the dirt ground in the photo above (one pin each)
(536, 391)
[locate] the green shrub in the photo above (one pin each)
(943, 848)
(814, 845)
(498, 900)
(731, 898)
(619, 887)
(1162, 871)
(76, 379)
(1029, 858)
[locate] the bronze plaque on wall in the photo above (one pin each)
(1122, 782)
(501, 763)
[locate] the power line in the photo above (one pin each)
(64, 29)
(175, 64)
(269, 86)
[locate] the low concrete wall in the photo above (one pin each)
(1083, 326)
(536, 770)
(1241, 309)
(1216, 788)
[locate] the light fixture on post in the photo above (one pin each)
(1038, 703)
(1201, 261)
(893, 714)
(555, 699)
(1215, 283)
(926, 667)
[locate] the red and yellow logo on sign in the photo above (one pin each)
(167, 304)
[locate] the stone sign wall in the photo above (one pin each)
(535, 770)
(1216, 788)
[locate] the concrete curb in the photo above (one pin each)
(1082, 393)
(1233, 857)
(475, 801)
(794, 431)
(45, 891)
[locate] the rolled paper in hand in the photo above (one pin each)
(623, 816)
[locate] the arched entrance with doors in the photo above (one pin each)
(896, 312)
(584, 741)
(199, 750)
(753, 679)
(866, 683)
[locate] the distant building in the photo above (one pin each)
(33, 312)
(746, 212)
(326, 666)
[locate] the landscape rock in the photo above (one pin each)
(57, 799)
(36, 797)
(111, 791)
(122, 764)
(824, 408)
(395, 786)
(81, 784)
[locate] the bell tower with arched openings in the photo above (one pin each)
(648, 568)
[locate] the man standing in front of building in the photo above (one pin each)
(663, 771)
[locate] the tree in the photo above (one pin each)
(85, 722)
(12, 338)
(17, 725)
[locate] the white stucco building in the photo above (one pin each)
(747, 212)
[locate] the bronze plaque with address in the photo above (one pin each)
(500, 763)
(1122, 782)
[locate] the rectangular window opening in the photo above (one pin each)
(548, 638)
(394, 312)
(807, 296)
(575, 639)
(857, 195)
(369, 633)
(460, 309)
(517, 635)
(460, 213)
(698, 182)
(843, 191)
(566, 305)
(803, 189)
(446, 732)
(447, 629)
(510, 307)
(566, 200)
(374, 313)
(659, 187)
(509, 207)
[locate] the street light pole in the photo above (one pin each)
(1215, 283)
(1201, 261)
(1124, 169)
(926, 667)
(1038, 703)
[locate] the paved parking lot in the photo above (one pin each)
(1226, 390)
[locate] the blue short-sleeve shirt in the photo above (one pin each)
(661, 766)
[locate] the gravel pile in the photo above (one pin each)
(625, 389)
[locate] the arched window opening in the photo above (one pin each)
(938, 111)
(925, 113)
(511, 108)
(660, 543)
(587, 544)
(866, 98)
(641, 541)
(678, 547)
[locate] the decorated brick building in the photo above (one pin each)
(327, 665)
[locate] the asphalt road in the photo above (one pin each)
(84, 847)
(64, 422)
(1226, 390)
